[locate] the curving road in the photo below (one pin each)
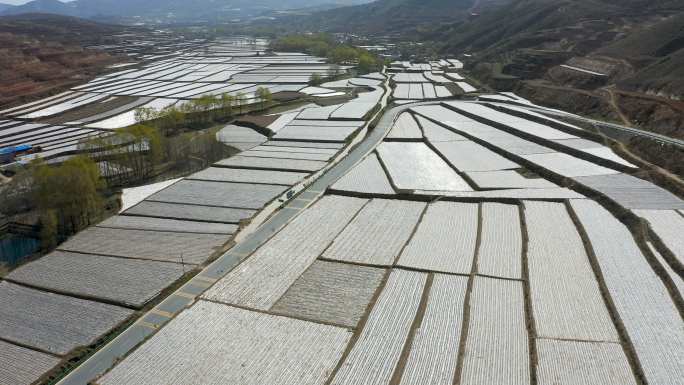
(184, 296)
(605, 124)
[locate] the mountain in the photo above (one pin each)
(385, 16)
(176, 9)
(43, 6)
(5, 6)
(621, 60)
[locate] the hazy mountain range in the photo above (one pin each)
(183, 9)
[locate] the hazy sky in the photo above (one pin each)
(14, 2)
(20, 2)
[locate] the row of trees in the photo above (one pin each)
(202, 111)
(325, 45)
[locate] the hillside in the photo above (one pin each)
(387, 16)
(619, 60)
(43, 54)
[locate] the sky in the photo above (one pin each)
(20, 2)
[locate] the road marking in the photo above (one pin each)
(238, 254)
(313, 191)
(305, 200)
(292, 208)
(186, 295)
(147, 324)
(201, 284)
(163, 313)
(91, 370)
(124, 344)
(206, 279)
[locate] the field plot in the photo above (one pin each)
(264, 277)
(221, 174)
(567, 165)
(293, 165)
(537, 193)
(286, 155)
(66, 106)
(189, 212)
(669, 226)
(608, 154)
(470, 156)
(500, 253)
(445, 239)
(566, 300)
(327, 151)
(353, 110)
(282, 121)
(506, 179)
(155, 245)
(402, 91)
(224, 194)
(314, 134)
(434, 352)
(415, 91)
(331, 292)
(239, 137)
(161, 224)
(676, 278)
(211, 343)
(496, 350)
(377, 351)
(414, 166)
(52, 322)
(440, 114)
(429, 91)
(20, 366)
(327, 123)
(466, 87)
(436, 133)
(632, 193)
(405, 128)
(131, 281)
(574, 362)
(366, 177)
(378, 233)
(318, 113)
(540, 130)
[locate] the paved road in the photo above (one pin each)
(146, 325)
(605, 124)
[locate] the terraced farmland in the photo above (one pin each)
(434, 351)
(414, 166)
(366, 177)
(377, 234)
(649, 315)
(375, 355)
(445, 239)
(281, 261)
(189, 248)
(235, 195)
(124, 280)
(579, 362)
(190, 212)
(160, 224)
(331, 292)
(220, 174)
(51, 322)
(566, 301)
(496, 349)
(20, 365)
(221, 337)
(500, 253)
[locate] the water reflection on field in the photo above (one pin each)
(14, 248)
